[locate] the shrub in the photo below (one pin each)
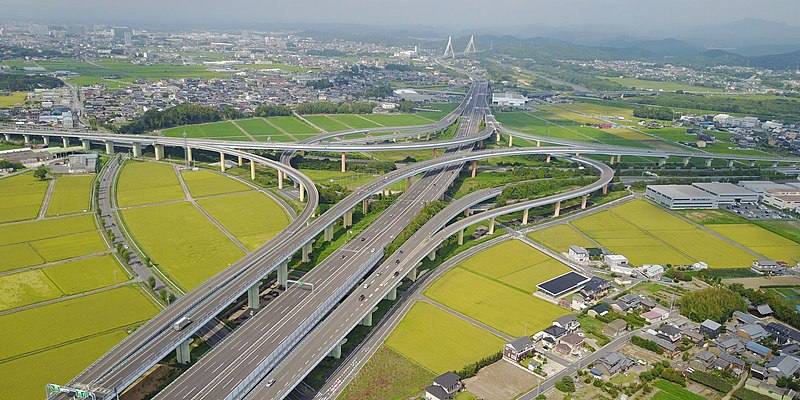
(711, 381)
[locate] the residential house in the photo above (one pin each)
(783, 331)
(595, 288)
(518, 349)
(752, 332)
(434, 392)
(598, 309)
(614, 363)
(695, 337)
(783, 366)
(554, 332)
(769, 390)
(578, 253)
(729, 362)
(728, 345)
(653, 271)
(615, 327)
(572, 343)
(657, 314)
(703, 360)
(569, 322)
(762, 310)
(766, 266)
(578, 303)
(759, 350)
(668, 346)
(744, 317)
(670, 332)
(449, 381)
(710, 328)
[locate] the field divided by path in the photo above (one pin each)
(254, 228)
(70, 195)
(146, 183)
(21, 197)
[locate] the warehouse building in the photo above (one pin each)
(681, 197)
(728, 193)
(509, 100)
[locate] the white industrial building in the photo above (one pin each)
(680, 197)
(509, 100)
(782, 199)
(728, 193)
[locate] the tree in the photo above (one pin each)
(716, 304)
(566, 385)
(151, 281)
(41, 173)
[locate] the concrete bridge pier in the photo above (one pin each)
(619, 158)
(253, 302)
(708, 162)
(283, 273)
(137, 149)
(328, 233)
(392, 295)
(408, 183)
(239, 161)
(183, 352)
(584, 200)
(730, 163)
(662, 161)
(577, 155)
(611, 162)
(86, 144)
(7, 136)
(189, 154)
(280, 180)
(347, 218)
(525, 216)
(307, 252)
(538, 143)
(686, 161)
(221, 161)
(510, 141)
(434, 152)
(432, 255)
(412, 275)
(491, 226)
(344, 162)
(302, 193)
(367, 320)
(65, 142)
(365, 206)
(548, 159)
(109, 147)
(252, 170)
(774, 164)
(474, 168)
(558, 209)
(26, 139)
(428, 137)
(46, 140)
(159, 150)
(337, 351)
(419, 136)
(752, 163)
(460, 237)
(605, 189)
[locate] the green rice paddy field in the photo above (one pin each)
(207, 183)
(147, 182)
(253, 229)
(70, 195)
(21, 197)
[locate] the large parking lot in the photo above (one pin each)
(755, 212)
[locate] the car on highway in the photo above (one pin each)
(270, 382)
(181, 323)
(366, 285)
(361, 298)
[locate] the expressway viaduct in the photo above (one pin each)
(268, 341)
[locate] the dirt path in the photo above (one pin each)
(46, 202)
(246, 133)
(289, 135)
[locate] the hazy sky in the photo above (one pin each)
(641, 15)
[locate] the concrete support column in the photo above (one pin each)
(686, 161)
(283, 273)
(222, 161)
(730, 163)
(347, 218)
(7, 136)
(708, 162)
(538, 143)
(189, 154)
(137, 149)
(328, 233)
(365, 206)
(280, 179)
(605, 189)
(434, 153)
(392, 295)
(306, 251)
(344, 162)
(183, 352)
(525, 216)
(337, 351)
(86, 144)
(109, 147)
(558, 209)
(408, 183)
(774, 164)
(584, 200)
(612, 160)
(662, 161)
(239, 161)
(510, 140)
(619, 158)
(159, 150)
(64, 142)
(252, 170)
(432, 255)
(367, 320)
(752, 163)
(548, 159)
(577, 155)
(428, 137)
(460, 237)
(253, 293)
(491, 226)
(474, 168)
(497, 136)
(26, 138)
(419, 136)
(302, 193)
(46, 140)
(412, 275)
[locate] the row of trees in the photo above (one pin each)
(767, 108)
(535, 189)
(329, 165)
(662, 113)
(781, 310)
(272, 110)
(327, 107)
(182, 114)
(428, 212)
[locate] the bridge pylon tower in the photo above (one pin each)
(448, 51)
(471, 45)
